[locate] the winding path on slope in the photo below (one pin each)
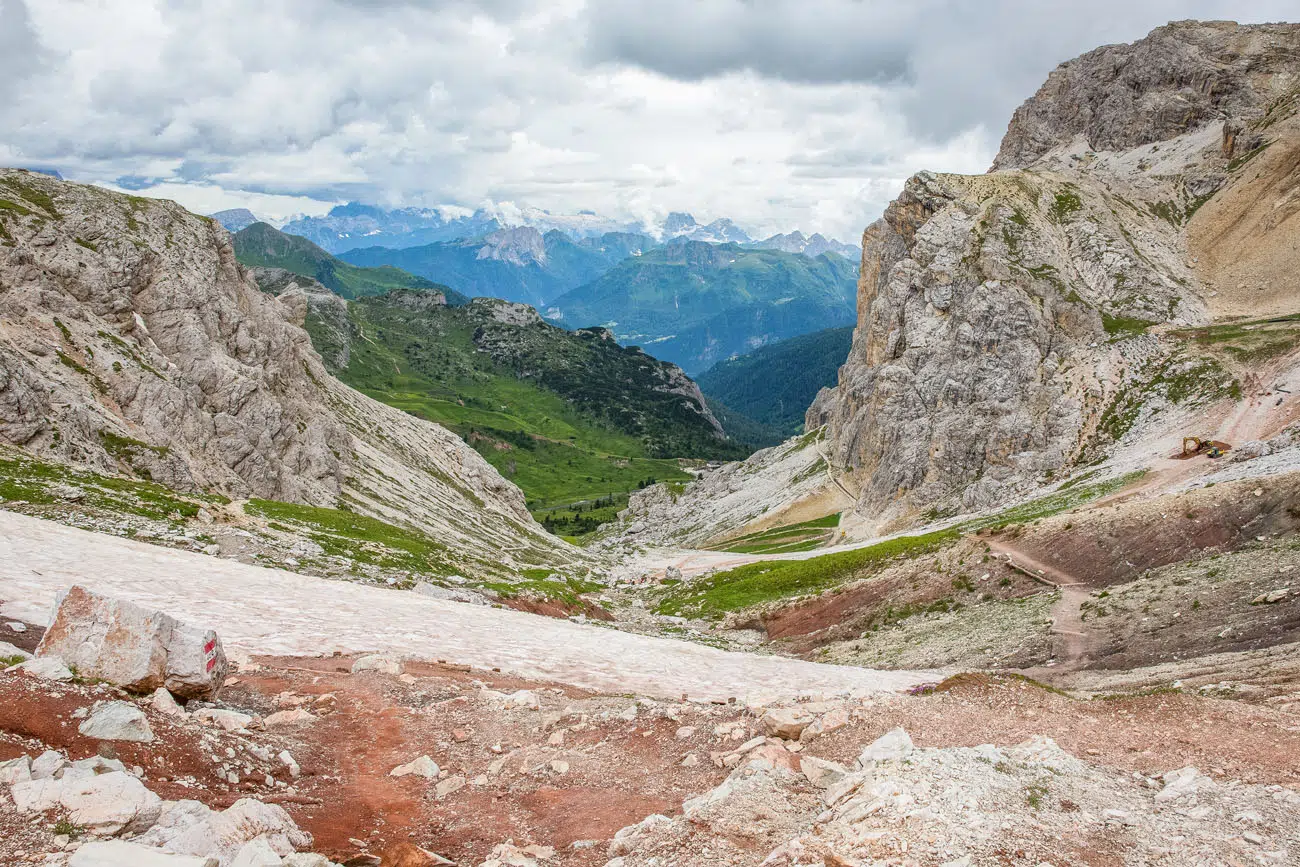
(1075, 640)
(260, 611)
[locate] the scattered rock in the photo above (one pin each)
(165, 703)
(421, 767)
(410, 855)
(117, 721)
(892, 745)
(786, 723)
(230, 720)
(297, 716)
(11, 651)
(449, 786)
(820, 772)
(379, 662)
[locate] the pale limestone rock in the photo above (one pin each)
(892, 745)
(230, 720)
(120, 853)
(224, 834)
(820, 772)
(136, 648)
(117, 721)
(256, 853)
(786, 722)
(382, 663)
(46, 668)
(421, 767)
(17, 770)
(294, 717)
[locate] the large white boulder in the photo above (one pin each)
(117, 721)
(119, 853)
(892, 745)
(104, 804)
(223, 834)
(137, 648)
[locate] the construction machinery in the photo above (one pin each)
(1193, 446)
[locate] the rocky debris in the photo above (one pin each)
(381, 663)
(230, 720)
(133, 647)
(722, 500)
(963, 806)
(1272, 597)
(117, 721)
(453, 594)
(422, 767)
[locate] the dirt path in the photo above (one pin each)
(1072, 641)
(268, 611)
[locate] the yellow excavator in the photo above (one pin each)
(1193, 446)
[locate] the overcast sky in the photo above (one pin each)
(780, 114)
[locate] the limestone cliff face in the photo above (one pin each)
(999, 314)
(132, 342)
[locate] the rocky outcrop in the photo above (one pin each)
(1001, 314)
(131, 341)
(1180, 77)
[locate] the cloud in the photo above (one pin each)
(21, 55)
(776, 113)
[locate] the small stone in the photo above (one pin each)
(892, 745)
(46, 667)
(286, 758)
(285, 718)
(556, 739)
(15, 626)
(421, 767)
(690, 761)
(786, 723)
(685, 733)
(163, 702)
(117, 721)
(449, 786)
(379, 662)
(560, 766)
(230, 720)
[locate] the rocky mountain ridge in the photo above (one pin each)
(134, 343)
(1002, 316)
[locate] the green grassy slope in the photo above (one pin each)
(775, 385)
(572, 418)
(264, 246)
(694, 303)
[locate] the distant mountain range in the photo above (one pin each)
(355, 226)
(695, 303)
(265, 246)
(520, 264)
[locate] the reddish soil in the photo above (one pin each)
(556, 608)
(848, 611)
(1116, 543)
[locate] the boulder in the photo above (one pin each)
(12, 651)
(136, 648)
(175, 817)
(825, 724)
(104, 804)
(822, 773)
(119, 853)
(47, 667)
(17, 770)
(117, 721)
(380, 662)
(224, 834)
(421, 767)
(892, 745)
(48, 764)
(163, 702)
(786, 722)
(256, 853)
